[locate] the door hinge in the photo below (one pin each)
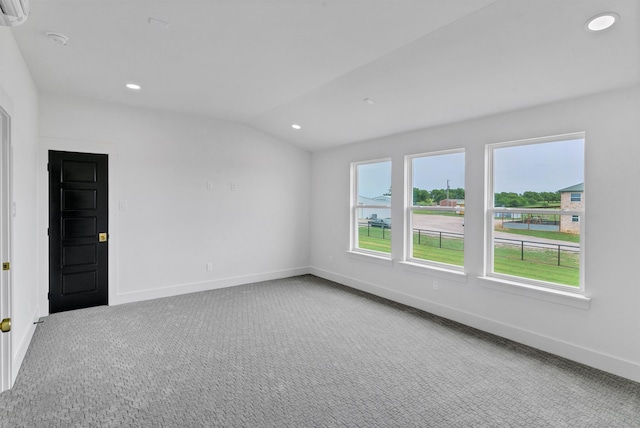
(47, 231)
(6, 266)
(47, 167)
(48, 296)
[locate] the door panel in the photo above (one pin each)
(80, 172)
(80, 255)
(78, 213)
(79, 227)
(73, 200)
(80, 282)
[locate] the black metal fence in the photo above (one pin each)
(540, 252)
(439, 239)
(534, 251)
(375, 231)
(433, 238)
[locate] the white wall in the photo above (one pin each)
(606, 334)
(171, 225)
(172, 209)
(19, 97)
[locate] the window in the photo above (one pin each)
(576, 197)
(533, 223)
(371, 207)
(435, 214)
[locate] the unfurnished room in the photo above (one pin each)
(319, 213)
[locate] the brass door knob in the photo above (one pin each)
(5, 325)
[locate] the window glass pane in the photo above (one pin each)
(536, 245)
(533, 246)
(533, 175)
(436, 235)
(373, 210)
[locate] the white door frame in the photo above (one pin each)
(5, 246)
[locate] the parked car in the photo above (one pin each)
(384, 223)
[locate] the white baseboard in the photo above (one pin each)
(195, 287)
(20, 350)
(599, 360)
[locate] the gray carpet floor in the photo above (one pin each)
(298, 352)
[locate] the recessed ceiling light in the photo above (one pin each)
(602, 21)
(369, 101)
(133, 86)
(295, 126)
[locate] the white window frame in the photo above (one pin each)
(353, 244)
(490, 212)
(410, 209)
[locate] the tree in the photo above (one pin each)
(421, 197)
(550, 196)
(438, 194)
(532, 198)
(457, 193)
(509, 199)
(528, 198)
(515, 201)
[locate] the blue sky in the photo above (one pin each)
(432, 172)
(374, 179)
(545, 167)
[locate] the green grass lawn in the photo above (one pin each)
(441, 255)
(375, 238)
(538, 264)
(559, 236)
(446, 250)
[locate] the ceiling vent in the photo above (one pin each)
(13, 12)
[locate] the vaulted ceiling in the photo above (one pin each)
(272, 63)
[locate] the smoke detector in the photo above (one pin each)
(60, 39)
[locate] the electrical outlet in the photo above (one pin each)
(233, 187)
(209, 186)
(435, 285)
(209, 266)
(330, 259)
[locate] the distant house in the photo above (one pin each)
(383, 212)
(459, 203)
(571, 198)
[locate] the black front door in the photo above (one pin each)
(78, 234)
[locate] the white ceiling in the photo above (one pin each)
(271, 63)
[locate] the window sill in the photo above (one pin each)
(439, 272)
(547, 294)
(371, 258)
